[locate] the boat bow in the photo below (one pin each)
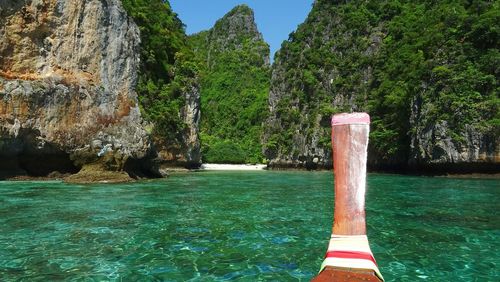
(349, 257)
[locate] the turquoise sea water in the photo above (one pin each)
(244, 226)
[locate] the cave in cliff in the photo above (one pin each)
(27, 155)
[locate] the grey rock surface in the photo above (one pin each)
(435, 143)
(68, 72)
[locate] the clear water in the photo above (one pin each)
(252, 226)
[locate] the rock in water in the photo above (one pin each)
(68, 72)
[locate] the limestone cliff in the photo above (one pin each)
(435, 147)
(234, 63)
(68, 72)
(308, 86)
(427, 72)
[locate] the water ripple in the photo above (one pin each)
(258, 226)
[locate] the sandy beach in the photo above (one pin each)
(232, 167)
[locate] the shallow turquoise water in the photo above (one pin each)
(251, 226)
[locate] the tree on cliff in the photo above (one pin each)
(168, 74)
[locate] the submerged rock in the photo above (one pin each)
(96, 173)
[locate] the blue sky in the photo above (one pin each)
(276, 19)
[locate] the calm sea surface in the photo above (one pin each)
(245, 226)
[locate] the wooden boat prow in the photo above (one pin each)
(349, 257)
(346, 274)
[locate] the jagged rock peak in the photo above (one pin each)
(241, 9)
(236, 29)
(241, 19)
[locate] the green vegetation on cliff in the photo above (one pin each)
(418, 67)
(168, 70)
(410, 64)
(235, 78)
(442, 58)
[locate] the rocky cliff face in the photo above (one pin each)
(432, 109)
(191, 114)
(185, 150)
(435, 147)
(67, 87)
